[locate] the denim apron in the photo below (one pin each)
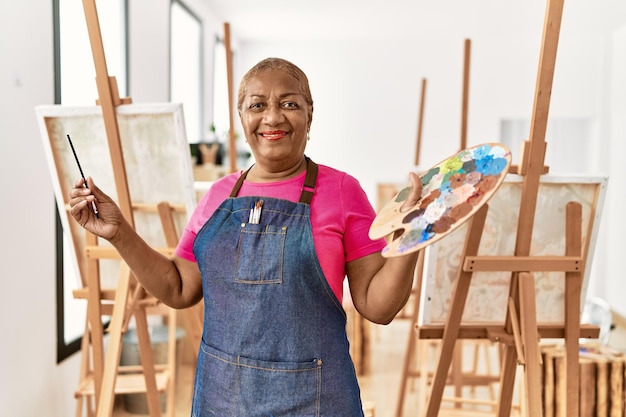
(274, 340)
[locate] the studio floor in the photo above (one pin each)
(380, 386)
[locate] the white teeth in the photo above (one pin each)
(271, 135)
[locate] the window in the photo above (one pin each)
(186, 68)
(75, 86)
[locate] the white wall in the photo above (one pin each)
(366, 94)
(29, 373)
(614, 224)
(366, 91)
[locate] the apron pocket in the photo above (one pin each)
(260, 254)
(228, 385)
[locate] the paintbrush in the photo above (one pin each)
(93, 204)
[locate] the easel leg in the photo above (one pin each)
(172, 362)
(83, 401)
(411, 350)
(573, 292)
(507, 380)
(95, 331)
(457, 372)
(453, 322)
(409, 363)
(107, 391)
(530, 339)
(424, 347)
(147, 362)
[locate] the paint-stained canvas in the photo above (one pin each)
(156, 156)
(488, 293)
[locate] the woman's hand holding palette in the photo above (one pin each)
(452, 192)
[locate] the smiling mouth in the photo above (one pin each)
(273, 135)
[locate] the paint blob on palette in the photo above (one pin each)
(452, 192)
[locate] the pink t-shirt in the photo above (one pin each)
(341, 216)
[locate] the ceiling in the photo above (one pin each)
(284, 20)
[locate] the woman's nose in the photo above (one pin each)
(273, 115)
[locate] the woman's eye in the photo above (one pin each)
(290, 104)
(255, 106)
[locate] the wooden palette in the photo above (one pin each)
(452, 192)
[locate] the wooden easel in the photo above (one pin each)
(420, 123)
(232, 142)
(102, 381)
(465, 95)
(521, 333)
(456, 377)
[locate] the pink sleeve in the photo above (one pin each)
(185, 246)
(359, 216)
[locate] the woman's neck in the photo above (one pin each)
(259, 173)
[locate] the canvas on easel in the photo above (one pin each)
(157, 160)
(488, 293)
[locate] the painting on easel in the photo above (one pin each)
(156, 158)
(489, 291)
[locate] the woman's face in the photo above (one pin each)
(275, 119)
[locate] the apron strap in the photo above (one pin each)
(308, 189)
(239, 182)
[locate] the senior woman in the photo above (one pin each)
(268, 249)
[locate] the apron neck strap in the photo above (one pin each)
(308, 189)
